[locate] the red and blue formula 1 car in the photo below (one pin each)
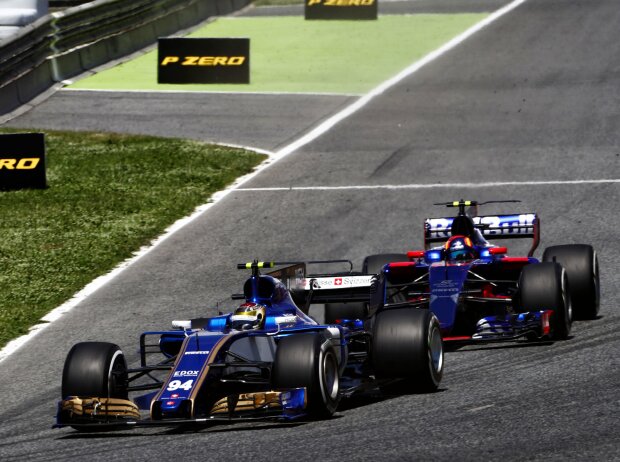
(478, 293)
(267, 359)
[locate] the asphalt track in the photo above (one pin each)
(534, 97)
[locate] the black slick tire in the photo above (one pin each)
(544, 286)
(407, 345)
(310, 361)
(581, 264)
(95, 369)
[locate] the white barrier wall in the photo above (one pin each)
(64, 44)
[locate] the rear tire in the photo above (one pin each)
(95, 369)
(581, 264)
(310, 361)
(407, 345)
(544, 286)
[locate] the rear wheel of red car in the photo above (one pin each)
(544, 286)
(95, 369)
(373, 264)
(310, 361)
(581, 264)
(407, 345)
(353, 310)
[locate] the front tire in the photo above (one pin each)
(581, 264)
(407, 345)
(95, 369)
(544, 286)
(310, 361)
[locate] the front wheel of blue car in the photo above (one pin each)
(310, 361)
(95, 369)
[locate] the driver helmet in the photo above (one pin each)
(460, 248)
(248, 316)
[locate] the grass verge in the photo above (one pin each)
(289, 54)
(108, 195)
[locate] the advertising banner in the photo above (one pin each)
(340, 9)
(203, 60)
(22, 161)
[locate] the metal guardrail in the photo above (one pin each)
(64, 44)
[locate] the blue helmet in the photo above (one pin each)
(460, 248)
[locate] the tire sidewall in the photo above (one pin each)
(545, 286)
(327, 376)
(309, 361)
(435, 351)
(407, 345)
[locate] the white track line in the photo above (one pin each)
(431, 185)
(55, 314)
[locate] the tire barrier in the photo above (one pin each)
(64, 44)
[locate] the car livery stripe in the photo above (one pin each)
(205, 370)
(157, 397)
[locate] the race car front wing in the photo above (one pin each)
(98, 412)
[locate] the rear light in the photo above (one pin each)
(401, 264)
(546, 322)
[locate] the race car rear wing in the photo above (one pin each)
(324, 288)
(524, 225)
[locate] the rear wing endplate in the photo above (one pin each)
(524, 225)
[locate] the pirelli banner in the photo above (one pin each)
(340, 9)
(22, 161)
(204, 60)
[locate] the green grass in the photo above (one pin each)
(289, 54)
(108, 195)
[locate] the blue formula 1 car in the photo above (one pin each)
(267, 359)
(478, 293)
